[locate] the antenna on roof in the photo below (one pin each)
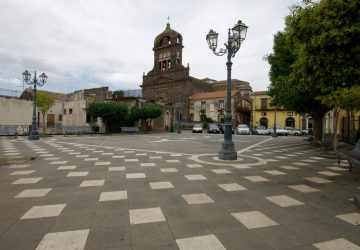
(168, 18)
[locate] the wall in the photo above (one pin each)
(78, 115)
(14, 111)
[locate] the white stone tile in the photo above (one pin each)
(82, 156)
(98, 151)
(146, 215)
(194, 165)
(70, 240)
(240, 166)
(12, 154)
(33, 193)
(256, 178)
(46, 155)
(172, 161)
(155, 157)
(197, 198)
(131, 160)
(22, 172)
(92, 183)
(195, 177)
(66, 167)
(58, 162)
(254, 219)
(318, 180)
(117, 156)
(271, 160)
(281, 157)
(337, 169)
(274, 172)
(232, 187)
(168, 170)
(337, 244)
(310, 161)
(284, 201)
(113, 196)
(161, 185)
(18, 166)
(289, 167)
(52, 159)
(353, 218)
(107, 154)
(141, 154)
(116, 169)
(304, 188)
(91, 159)
(221, 171)
(204, 242)
(150, 164)
(102, 163)
(328, 173)
(129, 152)
(135, 176)
(301, 164)
(317, 158)
(44, 211)
(77, 174)
(74, 153)
(27, 181)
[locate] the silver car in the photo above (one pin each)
(243, 129)
(261, 130)
(279, 130)
(293, 131)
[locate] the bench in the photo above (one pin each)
(129, 130)
(8, 130)
(352, 156)
(77, 130)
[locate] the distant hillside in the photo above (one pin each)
(133, 92)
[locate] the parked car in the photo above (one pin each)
(293, 131)
(261, 130)
(213, 128)
(279, 130)
(243, 129)
(197, 128)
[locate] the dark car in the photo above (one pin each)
(213, 128)
(222, 128)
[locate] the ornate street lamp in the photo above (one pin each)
(34, 134)
(236, 36)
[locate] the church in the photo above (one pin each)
(170, 82)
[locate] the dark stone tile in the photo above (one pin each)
(188, 228)
(109, 238)
(151, 233)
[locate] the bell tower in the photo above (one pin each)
(167, 50)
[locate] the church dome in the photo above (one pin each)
(167, 37)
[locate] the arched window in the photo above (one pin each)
(264, 122)
(290, 122)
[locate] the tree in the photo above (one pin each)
(317, 53)
(117, 95)
(146, 113)
(113, 114)
(44, 101)
(342, 99)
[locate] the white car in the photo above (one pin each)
(279, 130)
(197, 128)
(243, 129)
(261, 130)
(293, 131)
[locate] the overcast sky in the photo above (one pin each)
(91, 43)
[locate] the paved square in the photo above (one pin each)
(205, 242)
(256, 178)
(116, 168)
(92, 183)
(221, 171)
(328, 173)
(254, 219)
(318, 180)
(77, 174)
(274, 172)
(27, 181)
(353, 218)
(284, 201)
(195, 177)
(113, 196)
(70, 240)
(197, 198)
(289, 168)
(146, 215)
(33, 193)
(168, 170)
(194, 165)
(44, 211)
(135, 176)
(304, 188)
(22, 172)
(66, 167)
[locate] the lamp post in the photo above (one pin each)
(236, 36)
(34, 134)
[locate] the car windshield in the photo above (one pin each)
(243, 126)
(197, 126)
(262, 128)
(213, 126)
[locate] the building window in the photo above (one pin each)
(263, 103)
(70, 111)
(60, 118)
(203, 105)
(64, 111)
(263, 113)
(290, 113)
(221, 104)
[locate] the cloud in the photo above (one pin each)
(84, 43)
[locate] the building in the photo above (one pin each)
(263, 114)
(169, 80)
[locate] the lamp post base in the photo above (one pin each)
(34, 136)
(228, 152)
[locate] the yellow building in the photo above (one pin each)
(263, 114)
(348, 125)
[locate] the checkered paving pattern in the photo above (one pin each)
(85, 196)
